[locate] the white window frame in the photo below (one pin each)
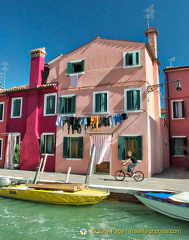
(45, 104)
(135, 65)
(74, 159)
(49, 154)
(2, 103)
(68, 96)
(13, 99)
(78, 73)
(1, 150)
(125, 100)
(94, 102)
(172, 105)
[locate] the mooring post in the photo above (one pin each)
(68, 174)
(90, 165)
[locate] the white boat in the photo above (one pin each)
(172, 204)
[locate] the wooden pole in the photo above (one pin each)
(90, 165)
(68, 174)
(37, 171)
(43, 167)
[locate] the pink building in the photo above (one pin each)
(31, 117)
(177, 118)
(102, 100)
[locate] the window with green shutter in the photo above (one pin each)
(50, 104)
(1, 111)
(75, 67)
(100, 102)
(67, 104)
(73, 147)
(179, 146)
(16, 108)
(132, 99)
(131, 59)
(47, 143)
(132, 143)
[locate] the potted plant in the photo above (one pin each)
(16, 156)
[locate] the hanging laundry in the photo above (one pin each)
(73, 81)
(76, 126)
(59, 121)
(94, 121)
(124, 116)
(103, 121)
(83, 121)
(111, 121)
(117, 118)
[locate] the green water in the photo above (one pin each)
(21, 220)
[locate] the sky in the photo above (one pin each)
(63, 25)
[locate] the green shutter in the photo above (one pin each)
(66, 147)
(1, 112)
(42, 144)
(73, 104)
(136, 99)
(50, 104)
(69, 67)
(97, 102)
(121, 148)
(139, 157)
(17, 105)
(82, 65)
(104, 102)
(136, 58)
(80, 154)
(172, 146)
(129, 100)
(61, 105)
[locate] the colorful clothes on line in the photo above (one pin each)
(118, 118)
(94, 122)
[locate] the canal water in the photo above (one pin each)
(20, 220)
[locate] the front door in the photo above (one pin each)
(102, 156)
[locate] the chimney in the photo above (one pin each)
(37, 67)
(151, 34)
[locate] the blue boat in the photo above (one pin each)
(172, 204)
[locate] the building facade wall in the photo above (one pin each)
(178, 124)
(104, 71)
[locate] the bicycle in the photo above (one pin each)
(121, 174)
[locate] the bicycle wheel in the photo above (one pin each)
(119, 175)
(139, 176)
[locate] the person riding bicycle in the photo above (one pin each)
(134, 163)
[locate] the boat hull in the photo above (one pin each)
(168, 207)
(82, 197)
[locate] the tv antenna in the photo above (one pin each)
(171, 60)
(149, 14)
(4, 72)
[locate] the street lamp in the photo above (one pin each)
(151, 88)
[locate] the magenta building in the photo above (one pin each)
(177, 117)
(31, 117)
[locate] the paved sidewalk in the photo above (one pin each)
(170, 179)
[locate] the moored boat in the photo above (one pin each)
(172, 204)
(54, 193)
